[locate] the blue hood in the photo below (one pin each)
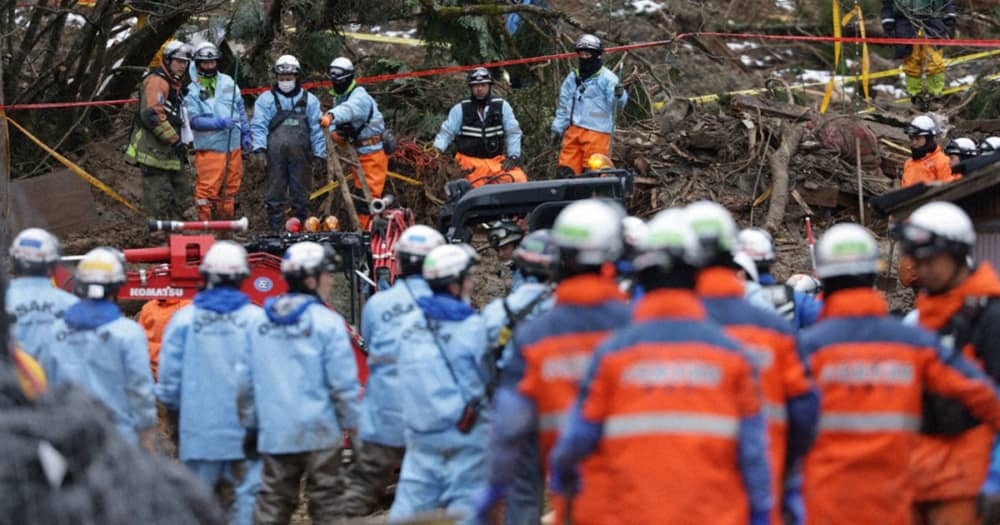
(286, 309)
(88, 314)
(221, 300)
(766, 279)
(444, 307)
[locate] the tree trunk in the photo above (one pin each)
(790, 138)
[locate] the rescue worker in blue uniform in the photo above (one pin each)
(30, 297)
(300, 390)
(487, 136)
(589, 100)
(95, 347)
(536, 258)
(385, 315)
(539, 378)
(356, 119)
(443, 378)
(800, 308)
(673, 387)
(287, 134)
(202, 347)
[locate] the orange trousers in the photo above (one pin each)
(947, 473)
(376, 167)
(488, 171)
(210, 166)
(579, 144)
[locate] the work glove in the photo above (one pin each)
(949, 25)
(555, 139)
(319, 166)
(250, 444)
(326, 120)
(889, 26)
(181, 150)
(510, 163)
(489, 502)
(619, 90)
(222, 123)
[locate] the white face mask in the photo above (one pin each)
(286, 86)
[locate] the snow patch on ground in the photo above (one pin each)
(787, 5)
(751, 61)
(961, 81)
(638, 7)
(814, 75)
(74, 20)
(890, 89)
(742, 46)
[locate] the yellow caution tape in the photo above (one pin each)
(330, 186)
(404, 178)
(386, 39)
(836, 58)
(74, 168)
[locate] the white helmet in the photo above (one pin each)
(989, 145)
(588, 42)
(923, 126)
(589, 232)
(963, 147)
(225, 261)
(99, 274)
(34, 251)
(287, 65)
(804, 283)
(844, 250)
(177, 50)
(758, 245)
(747, 265)
(669, 240)
(934, 228)
(633, 231)
(307, 258)
(448, 263)
(341, 69)
(206, 51)
(714, 228)
(413, 245)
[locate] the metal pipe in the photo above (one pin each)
(200, 226)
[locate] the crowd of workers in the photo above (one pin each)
(186, 102)
(641, 371)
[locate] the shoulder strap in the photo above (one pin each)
(516, 317)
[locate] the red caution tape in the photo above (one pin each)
(543, 58)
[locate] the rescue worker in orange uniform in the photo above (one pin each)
(872, 371)
(221, 134)
(153, 317)
(551, 351)
(670, 404)
(791, 403)
(959, 302)
(487, 136)
(928, 163)
(588, 101)
(355, 118)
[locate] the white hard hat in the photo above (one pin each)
(287, 65)
(206, 51)
(34, 251)
(804, 283)
(990, 145)
(588, 42)
(225, 261)
(747, 265)
(99, 273)
(340, 69)
(669, 241)
(417, 241)
(844, 250)
(922, 125)
(962, 146)
(176, 50)
(307, 258)
(448, 263)
(936, 227)
(589, 232)
(757, 244)
(713, 226)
